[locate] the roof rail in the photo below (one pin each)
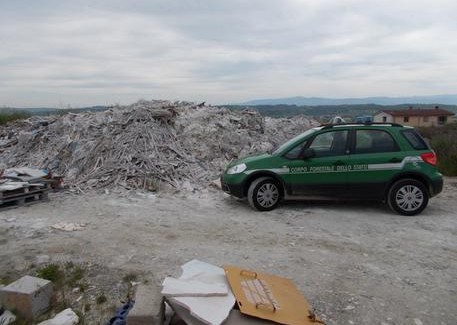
(328, 126)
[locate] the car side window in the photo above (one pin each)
(332, 143)
(294, 153)
(374, 141)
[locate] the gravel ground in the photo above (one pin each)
(356, 263)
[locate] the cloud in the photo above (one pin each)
(100, 52)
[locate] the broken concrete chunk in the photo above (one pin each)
(29, 296)
(65, 317)
(148, 308)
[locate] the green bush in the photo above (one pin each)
(10, 115)
(443, 141)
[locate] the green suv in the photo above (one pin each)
(385, 162)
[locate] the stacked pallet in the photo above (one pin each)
(14, 193)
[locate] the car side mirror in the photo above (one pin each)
(308, 153)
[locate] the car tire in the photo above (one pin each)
(264, 194)
(408, 197)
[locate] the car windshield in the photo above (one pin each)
(293, 140)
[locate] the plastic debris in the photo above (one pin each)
(121, 314)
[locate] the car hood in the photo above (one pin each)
(249, 159)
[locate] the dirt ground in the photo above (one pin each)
(357, 263)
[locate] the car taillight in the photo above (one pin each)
(429, 158)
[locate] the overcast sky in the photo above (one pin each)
(77, 53)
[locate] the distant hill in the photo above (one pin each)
(326, 111)
(319, 101)
(51, 110)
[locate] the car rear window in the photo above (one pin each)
(415, 139)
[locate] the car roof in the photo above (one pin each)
(369, 124)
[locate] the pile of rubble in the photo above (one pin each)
(145, 145)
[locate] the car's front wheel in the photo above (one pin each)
(264, 194)
(407, 197)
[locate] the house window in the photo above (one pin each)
(442, 119)
(425, 118)
(384, 119)
(406, 119)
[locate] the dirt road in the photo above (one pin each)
(357, 263)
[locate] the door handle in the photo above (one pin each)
(339, 163)
(395, 160)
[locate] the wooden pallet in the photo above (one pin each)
(24, 195)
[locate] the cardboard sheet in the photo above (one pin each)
(269, 297)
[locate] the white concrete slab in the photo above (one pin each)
(209, 309)
(187, 287)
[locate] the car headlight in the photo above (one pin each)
(237, 169)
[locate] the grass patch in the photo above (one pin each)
(51, 272)
(69, 265)
(83, 286)
(74, 276)
(86, 307)
(5, 280)
(101, 299)
(130, 277)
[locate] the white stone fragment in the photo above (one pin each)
(187, 287)
(65, 317)
(198, 306)
(7, 317)
(68, 226)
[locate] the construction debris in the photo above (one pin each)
(29, 296)
(22, 192)
(202, 295)
(68, 226)
(65, 317)
(269, 297)
(122, 314)
(24, 173)
(205, 306)
(148, 145)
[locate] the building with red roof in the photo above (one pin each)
(415, 117)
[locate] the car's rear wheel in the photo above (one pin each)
(264, 194)
(407, 197)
